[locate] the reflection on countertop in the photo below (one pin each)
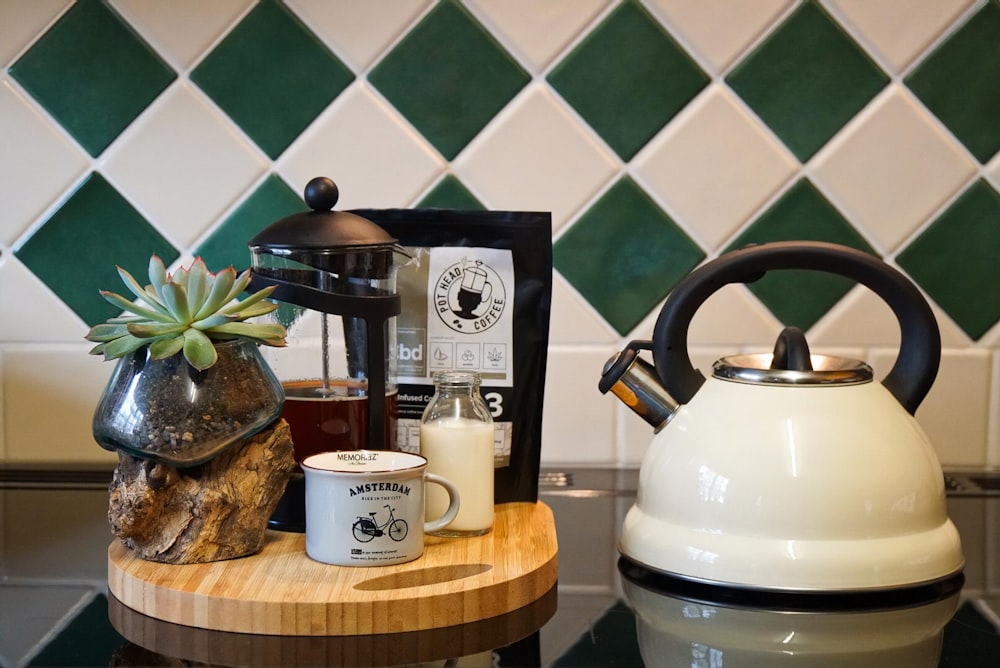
(54, 610)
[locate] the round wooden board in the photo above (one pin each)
(281, 591)
(225, 648)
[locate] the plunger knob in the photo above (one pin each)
(321, 194)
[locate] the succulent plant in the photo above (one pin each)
(185, 311)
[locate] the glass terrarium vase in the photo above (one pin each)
(168, 411)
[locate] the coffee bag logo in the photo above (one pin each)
(469, 296)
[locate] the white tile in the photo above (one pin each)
(182, 31)
(633, 433)
(31, 312)
(897, 31)
(578, 421)
(358, 31)
(574, 321)
(719, 30)
(375, 159)
(729, 318)
(862, 318)
(534, 157)
(536, 31)
(954, 414)
(713, 167)
(891, 168)
(21, 21)
(991, 339)
(43, 381)
(732, 317)
(993, 171)
(182, 165)
(37, 164)
(636, 434)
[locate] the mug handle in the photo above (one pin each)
(452, 512)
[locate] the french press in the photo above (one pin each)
(334, 274)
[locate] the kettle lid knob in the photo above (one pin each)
(791, 351)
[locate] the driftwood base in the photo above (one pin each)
(217, 510)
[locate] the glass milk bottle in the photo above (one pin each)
(456, 437)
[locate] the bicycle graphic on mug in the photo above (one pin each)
(367, 528)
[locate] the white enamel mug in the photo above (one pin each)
(366, 507)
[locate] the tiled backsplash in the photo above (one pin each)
(658, 133)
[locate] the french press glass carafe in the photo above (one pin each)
(335, 278)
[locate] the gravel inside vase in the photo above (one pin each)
(168, 411)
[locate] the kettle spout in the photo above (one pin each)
(633, 380)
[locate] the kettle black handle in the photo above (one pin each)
(919, 355)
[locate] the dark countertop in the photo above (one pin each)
(54, 609)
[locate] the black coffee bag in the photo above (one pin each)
(476, 296)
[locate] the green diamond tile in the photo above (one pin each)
(624, 255)
(628, 78)
(75, 252)
(449, 77)
(272, 76)
(807, 79)
(92, 73)
(227, 244)
(449, 193)
(956, 260)
(960, 82)
(800, 297)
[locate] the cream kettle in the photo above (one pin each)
(787, 470)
